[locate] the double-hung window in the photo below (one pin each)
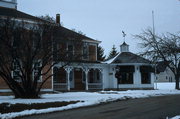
(70, 50)
(37, 70)
(85, 51)
(16, 70)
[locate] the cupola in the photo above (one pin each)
(124, 47)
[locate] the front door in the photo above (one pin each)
(78, 79)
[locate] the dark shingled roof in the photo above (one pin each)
(60, 30)
(128, 57)
(161, 66)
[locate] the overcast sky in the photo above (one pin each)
(104, 20)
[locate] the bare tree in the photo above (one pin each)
(164, 47)
(27, 54)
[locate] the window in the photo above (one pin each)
(85, 51)
(61, 51)
(124, 74)
(145, 78)
(37, 70)
(36, 41)
(92, 52)
(16, 70)
(125, 78)
(70, 51)
(59, 75)
(146, 74)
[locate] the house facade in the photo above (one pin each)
(124, 71)
(78, 67)
(164, 73)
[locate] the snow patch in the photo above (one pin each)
(176, 117)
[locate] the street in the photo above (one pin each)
(147, 108)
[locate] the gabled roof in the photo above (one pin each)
(62, 31)
(13, 13)
(127, 57)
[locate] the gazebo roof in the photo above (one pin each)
(127, 57)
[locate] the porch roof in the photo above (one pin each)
(127, 57)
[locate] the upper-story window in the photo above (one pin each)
(70, 50)
(92, 52)
(85, 51)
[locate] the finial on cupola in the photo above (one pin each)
(124, 47)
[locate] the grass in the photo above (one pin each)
(7, 108)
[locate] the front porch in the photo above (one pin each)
(134, 76)
(77, 78)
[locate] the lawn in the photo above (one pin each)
(63, 101)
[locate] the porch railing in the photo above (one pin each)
(60, 86)
(95, 86)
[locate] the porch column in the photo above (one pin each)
(102, 81)
(68, 70)
(86, 70)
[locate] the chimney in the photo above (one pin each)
(58, 19)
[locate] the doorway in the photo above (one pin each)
(79, 83)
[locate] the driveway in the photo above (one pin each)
(147, 108)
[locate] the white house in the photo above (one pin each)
(163, 73)
(128, 71)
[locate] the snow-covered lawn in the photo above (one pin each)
(86, 98)
(89, 98)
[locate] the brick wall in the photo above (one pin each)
(47, 85)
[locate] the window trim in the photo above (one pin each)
(87, 47)
(12, 72)
(67, 49)
(40, 78)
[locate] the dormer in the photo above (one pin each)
(8, 4)
(124, 47)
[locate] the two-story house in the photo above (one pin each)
(77, 55)
(77, 67)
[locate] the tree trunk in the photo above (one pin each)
(177, 81)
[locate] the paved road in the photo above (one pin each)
(148, 108)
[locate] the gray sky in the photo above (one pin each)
(104, 20)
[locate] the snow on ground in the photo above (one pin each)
(176, 117)
(88, 98)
